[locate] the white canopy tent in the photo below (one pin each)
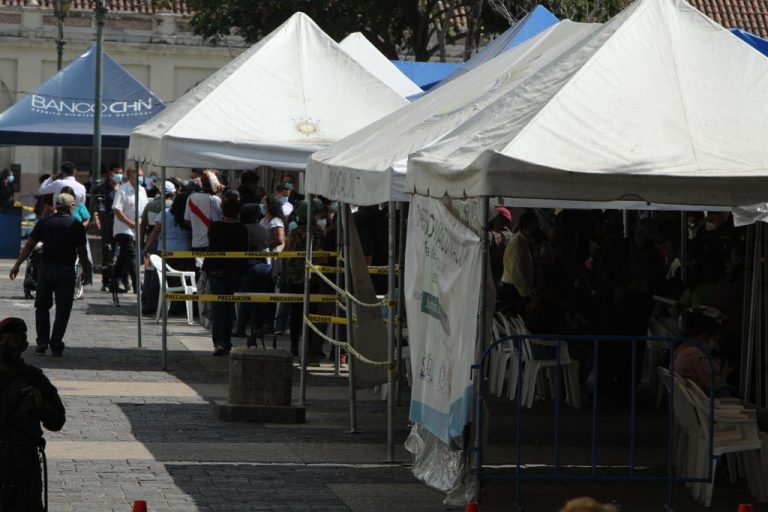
(367, 55)
(292, 93)
(368, 167)
(660, 104)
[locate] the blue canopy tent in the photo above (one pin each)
(426, 74)
(60, 111)
(532, 24)
(758, 43)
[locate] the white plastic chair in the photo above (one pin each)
(504, 363)
(735, 433)
(188, 285)
(533, 367)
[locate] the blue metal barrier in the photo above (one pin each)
(557, 476)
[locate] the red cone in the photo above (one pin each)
(745, 507)
(472, 506)
(139, 506)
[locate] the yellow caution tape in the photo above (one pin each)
(17, 204)
(326, 319)
(377, 270)
(256, 297)
(246, 254)
(338, 320)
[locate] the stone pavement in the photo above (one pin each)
(136, 432)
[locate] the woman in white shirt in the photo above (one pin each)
(274, 222)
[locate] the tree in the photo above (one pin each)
(422, 28)
(588, 11)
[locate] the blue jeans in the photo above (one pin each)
(259, 279)
(54, 281)
(223, 283)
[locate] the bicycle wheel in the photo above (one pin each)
(79, 288)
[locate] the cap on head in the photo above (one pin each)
(65, 201)
(169, 188)
(13, 325)
(504, 212)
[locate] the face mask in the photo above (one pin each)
(118, 178)
(289, 186)
(10, 355)
(322, 223)
(262, 208)
(283, 199)
(140, 180)
(11, 177)
(710, 226)
(292, 225)
(334, 206)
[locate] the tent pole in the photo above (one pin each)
(305, 310)
(760, 396)
(403, 208)
(482, 316)
(392, 234)
(101, 12)
(163, 303)
(625, 222)
(137, 241)
(683, 247)
(481, 321)
(350, 359)
(336, 311)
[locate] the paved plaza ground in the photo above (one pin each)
(136, 432)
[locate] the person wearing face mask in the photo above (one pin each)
(282, 195)
(126, 225)
(103, 197)
(703, 324)
(27, 400)
(294, 197)
(6, 188)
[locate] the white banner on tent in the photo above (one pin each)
(442, 288)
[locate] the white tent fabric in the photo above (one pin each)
(292, 93)
(368, 167)
(660, 104)
(367, 55)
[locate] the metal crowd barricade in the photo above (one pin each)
(557, 474)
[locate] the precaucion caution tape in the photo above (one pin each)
(246, 254)
(326, 319)
(376, 270)
(260, 297)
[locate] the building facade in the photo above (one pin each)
(155, 46)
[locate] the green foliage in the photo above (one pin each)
(411, 26)
(389, 24)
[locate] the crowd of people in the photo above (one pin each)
(200, 213)
(593, 272)
(563, 272)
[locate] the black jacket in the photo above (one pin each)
(21, 435)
